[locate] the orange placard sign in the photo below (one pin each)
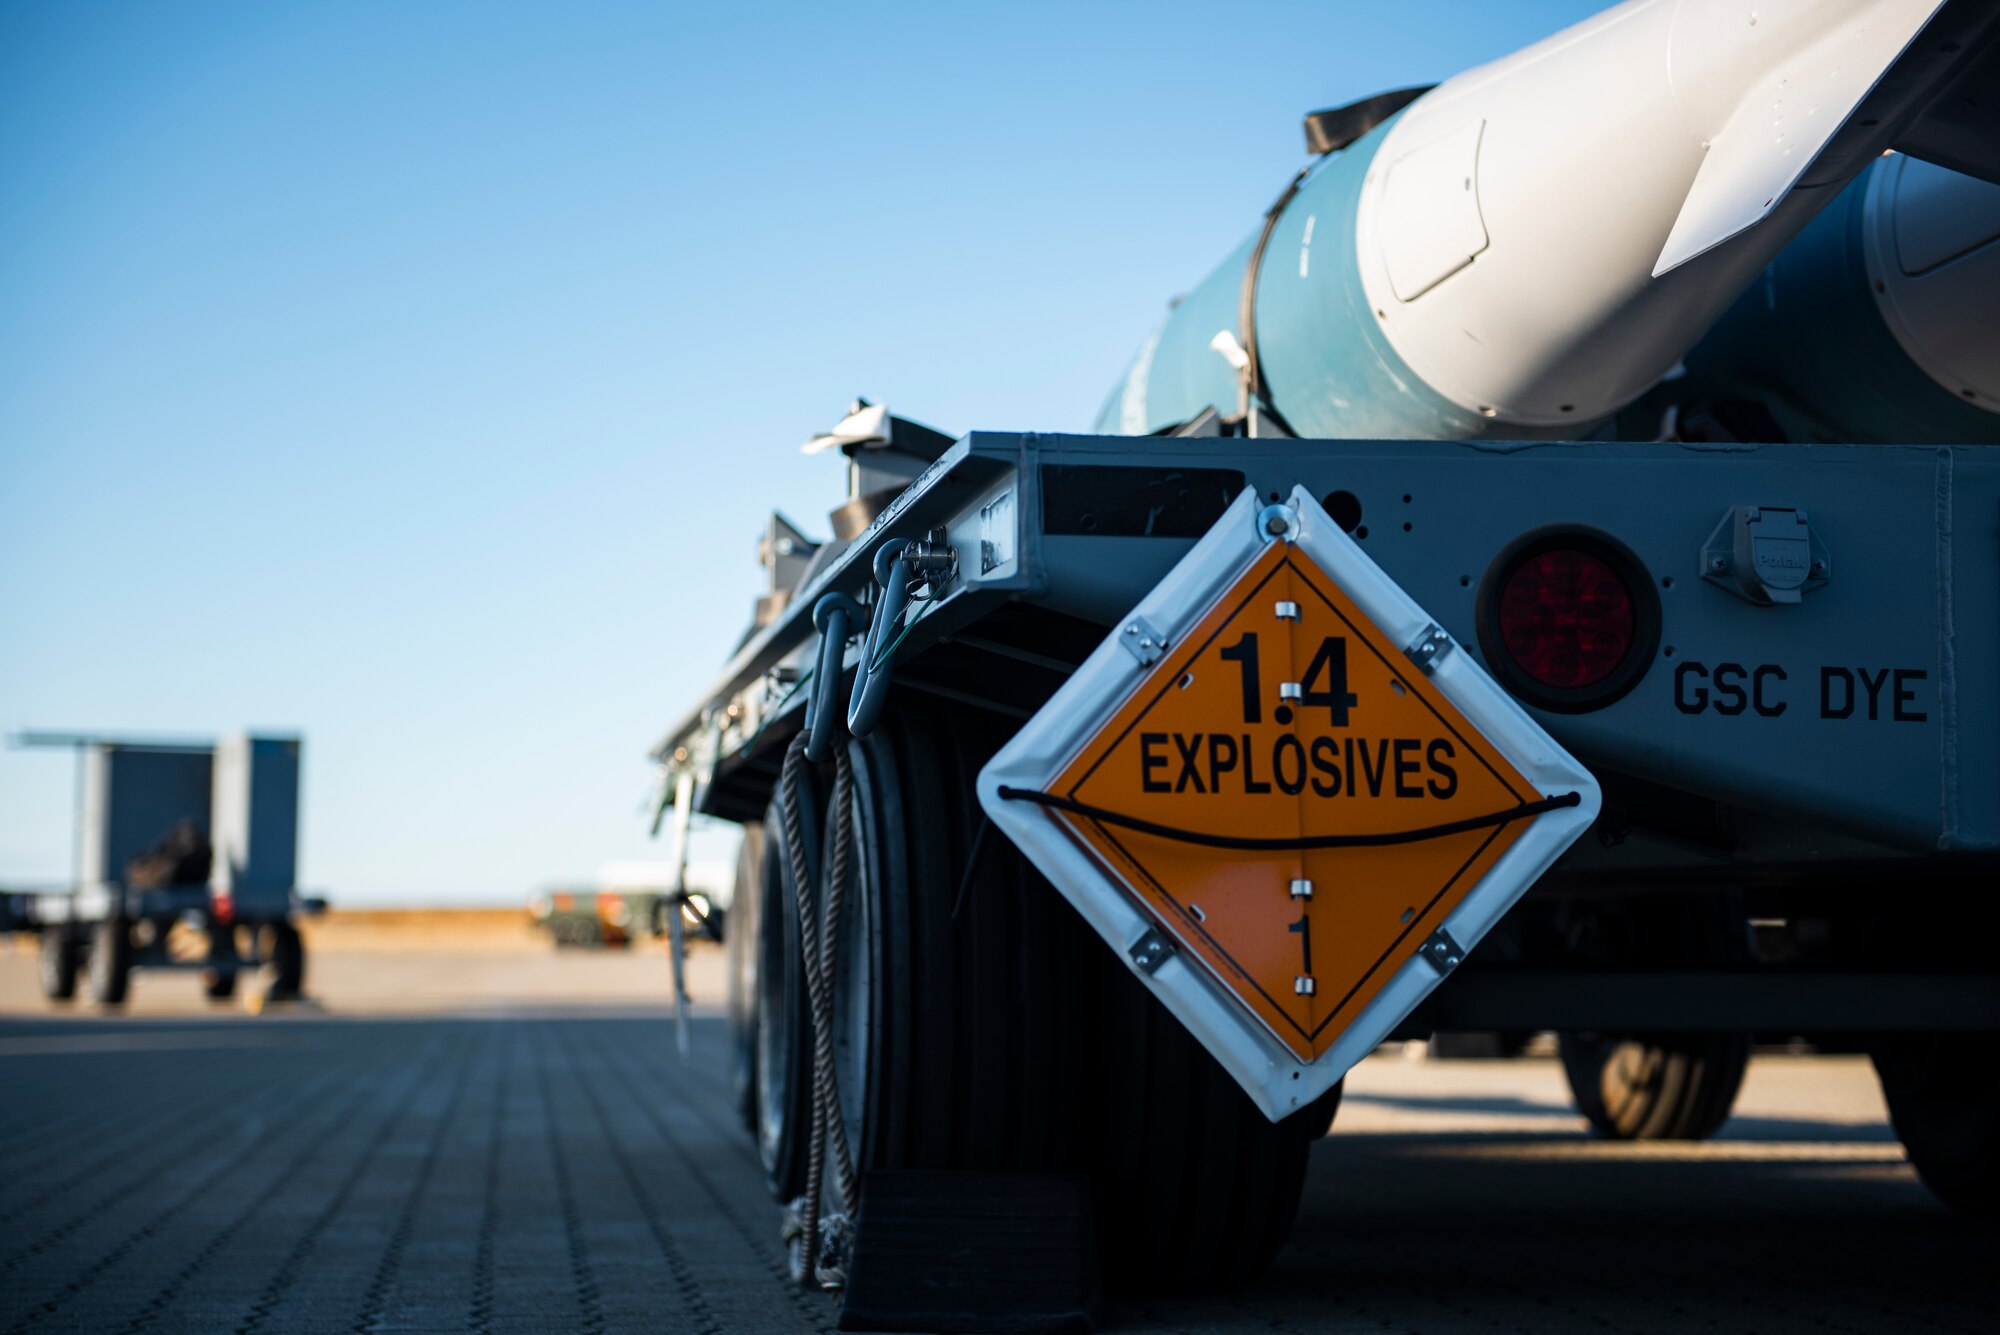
(1285, 713)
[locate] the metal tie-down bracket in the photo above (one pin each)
(1151, 950)
(1765, 555)
(1443, 951)
(1143, 640)
(1428, 648)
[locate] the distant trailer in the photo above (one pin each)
(196, 835)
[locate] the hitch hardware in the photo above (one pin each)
(930, 564)
(833, 616)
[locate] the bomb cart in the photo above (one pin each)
(1543, 580)
(186, 855)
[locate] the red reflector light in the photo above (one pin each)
(1569, 619)
(1566, 618)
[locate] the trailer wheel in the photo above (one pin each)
(1463, 1045)
(1198, 1190)
(111, 962)
(218, 975)
(980, 1024)
(288, 963)
(740, 952)
(782, 1074)
(1655, 1086)
(954, 1043)
(60, 962)
(1943, 1093)
(1322, 1111)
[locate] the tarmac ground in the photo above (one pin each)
(520, 1150)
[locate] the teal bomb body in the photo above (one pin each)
(1327, 369)
(1807, 338)
(1810, 339)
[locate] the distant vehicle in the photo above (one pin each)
(1566, 523)
(177, 841)
(615, 919)
(587, 917)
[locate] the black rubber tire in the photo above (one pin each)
(61, 963)
(1478, 1044)
(1321, 1113)
(965, 1056)
(219, 974)
(1943, 1092)
(783, 1124)
(1196, 1190)
(111, 962)
(1003, 1034)
(288, 963)
(739, 949)
(1655, 1086)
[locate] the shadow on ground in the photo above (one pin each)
(569, 1174)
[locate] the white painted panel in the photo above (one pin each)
(1611, 153)
(1434, 190)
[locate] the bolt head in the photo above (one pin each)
(1275, 525)
(1718, 564)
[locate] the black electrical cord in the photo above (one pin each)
(1302, 842)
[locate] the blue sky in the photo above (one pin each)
(418, 376)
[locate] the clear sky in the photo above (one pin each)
(417, 376)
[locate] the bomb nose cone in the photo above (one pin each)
(1543, 237)
(1526, 248)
